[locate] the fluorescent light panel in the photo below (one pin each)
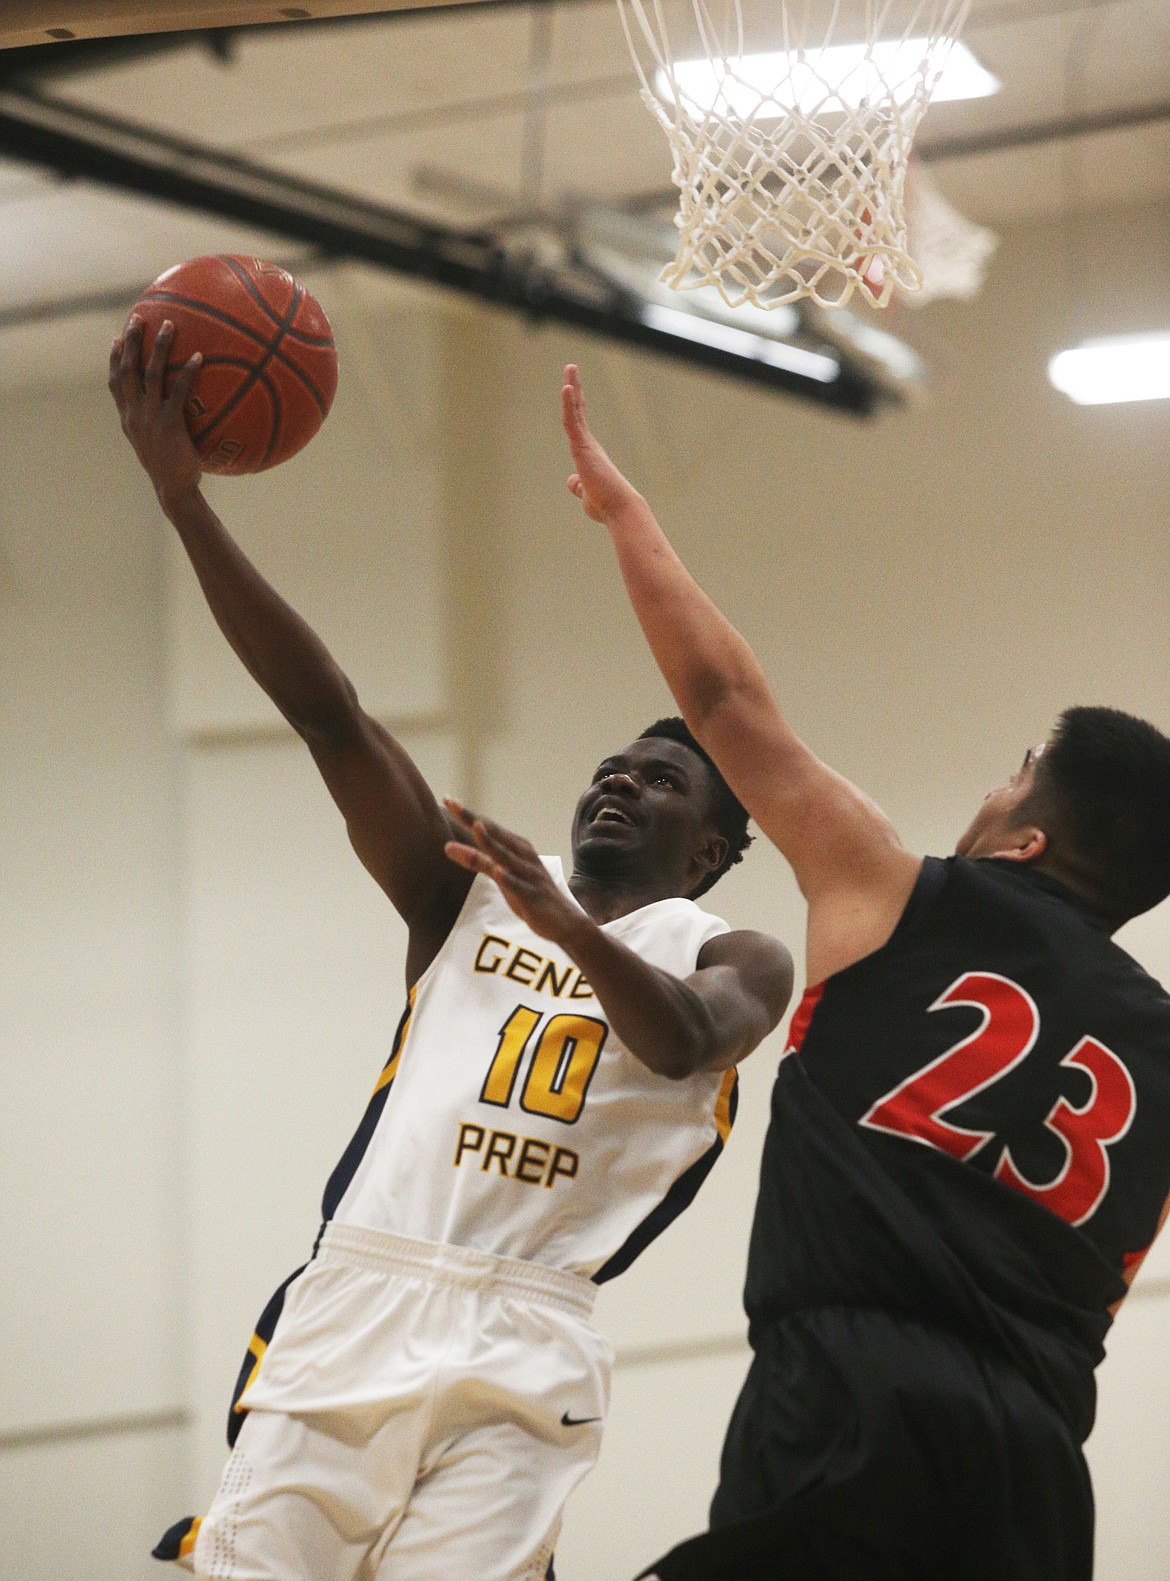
(741, 342)
(853, 73)
(1117, 368)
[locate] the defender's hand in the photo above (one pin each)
(154, 425)
(597, 483)
(516, 867)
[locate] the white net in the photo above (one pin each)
(790, 149)
(951, 251)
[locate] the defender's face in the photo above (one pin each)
(997, 820)
(648, 806)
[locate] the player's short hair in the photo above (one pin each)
(1103, 787)
(730, 815)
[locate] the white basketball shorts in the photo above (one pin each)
(422, 1414)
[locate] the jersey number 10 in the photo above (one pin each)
(563, 1061)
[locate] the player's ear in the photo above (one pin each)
(1024, 844)
(712, 852)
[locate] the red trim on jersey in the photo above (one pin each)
(798, 1031)
(1133, 1259)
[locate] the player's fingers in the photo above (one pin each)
(474, 861)
(573, 406)
(503, 843)
(115, 365)
(157, 361)
(473, 824)
(184, 379)
(575, 486)
(461, 814)
(476, 823)
(513, 856)
(129, 364)
(466, 856)
(578, 399)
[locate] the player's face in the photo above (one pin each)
(997, 820)
(647, 812)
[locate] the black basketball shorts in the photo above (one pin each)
(869, 1447)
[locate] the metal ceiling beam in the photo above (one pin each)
(52, 134)
(1004, 139)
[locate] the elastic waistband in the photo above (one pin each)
(441, 1263)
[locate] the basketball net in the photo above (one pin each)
(791, 165)
(951, 251)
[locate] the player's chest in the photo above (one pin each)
(506, 1056)
(510, 1024)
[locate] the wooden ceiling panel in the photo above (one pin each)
(28, 22)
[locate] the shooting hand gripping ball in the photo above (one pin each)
(268, 365)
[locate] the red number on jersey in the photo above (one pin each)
(1086, 1132)
(1005, 1035)
(1008, 1030)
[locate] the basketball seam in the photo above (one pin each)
(274, 396)
(257, 376)
(199, 434)
(271, 347)
(249, 285)
(270, 389)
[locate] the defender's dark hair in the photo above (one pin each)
(1102, 794)
(731, 818)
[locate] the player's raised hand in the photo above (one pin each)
(516, 867)
(597, 483)
(155, 423)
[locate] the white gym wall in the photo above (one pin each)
(199, 982)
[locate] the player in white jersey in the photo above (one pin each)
(419, 1400)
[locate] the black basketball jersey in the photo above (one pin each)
(973, 1127)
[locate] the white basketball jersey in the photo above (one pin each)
(510, 1119)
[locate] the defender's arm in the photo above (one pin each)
(847, 858)
(396, 826)
(676, 1026)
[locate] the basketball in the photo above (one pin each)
(269, 368)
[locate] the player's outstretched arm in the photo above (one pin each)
(396, 826)
(676, 1026)
(847, 858)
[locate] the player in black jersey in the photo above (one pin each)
(969, 1158)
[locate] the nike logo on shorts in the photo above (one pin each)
(577, 1421)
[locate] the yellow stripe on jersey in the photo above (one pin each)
(188, 1543)
(256, 1347)
(723, 1104)
(390, 1069)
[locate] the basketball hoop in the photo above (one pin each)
(791, 164)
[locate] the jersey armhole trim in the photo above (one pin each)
(684, 1189)
(932, 877)
(475, 889)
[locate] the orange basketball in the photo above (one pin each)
(269, 368)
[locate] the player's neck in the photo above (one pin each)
(605, 898)
(1070, 876)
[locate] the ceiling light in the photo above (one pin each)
(741, 342)
(1117, 368)
(841, 76)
